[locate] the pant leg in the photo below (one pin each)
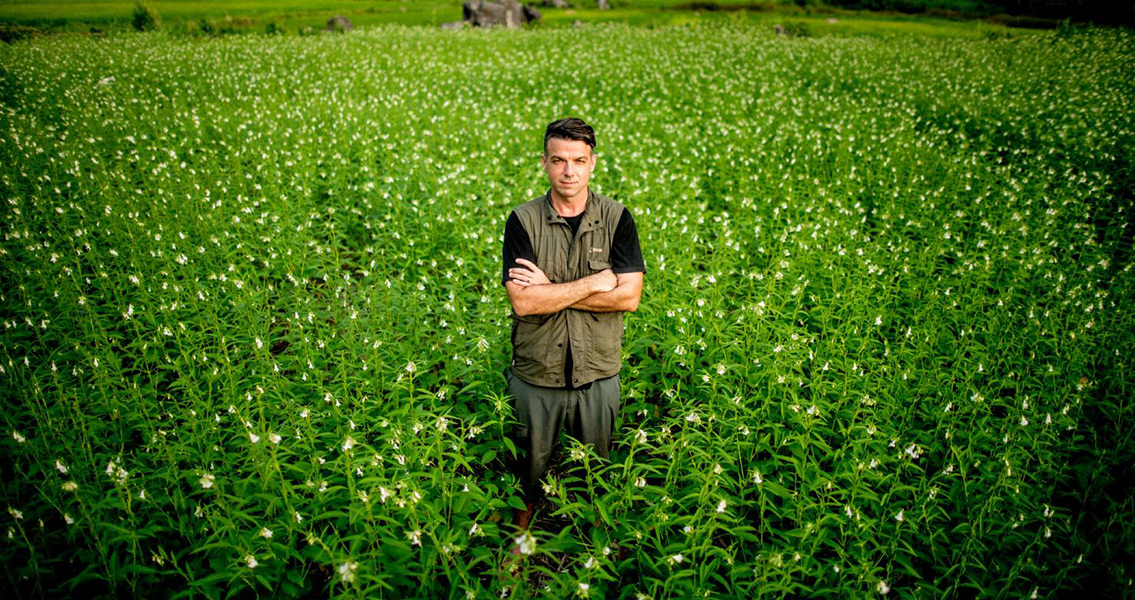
(594, 414)
(540, 411)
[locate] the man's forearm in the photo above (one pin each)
(550, 298)
(623, 298)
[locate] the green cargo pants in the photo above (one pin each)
(588, 415)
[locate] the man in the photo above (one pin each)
(572, 267)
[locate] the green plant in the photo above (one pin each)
(145, 17)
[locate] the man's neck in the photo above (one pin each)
(570, 207)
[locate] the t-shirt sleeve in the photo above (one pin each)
(626, 254)
(517, 244)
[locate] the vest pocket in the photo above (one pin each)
(530, 345)
(606, 336)
(598, 264)
(528, 340)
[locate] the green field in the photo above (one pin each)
(291, 17)
(254, 338)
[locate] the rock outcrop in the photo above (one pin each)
(339, 24)
(506, 13)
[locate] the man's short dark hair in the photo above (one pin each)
(570, 128)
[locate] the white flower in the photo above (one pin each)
(347, 571)
(526, 543)
(721, 507)
(640, 436)
(266, 533)
(348, 444)
(251, 561)
(676, 559)
(584, 590)
(19, 438)
(70, 486)
(640, 481)
(411, 367)
(299, 517)
(252, 436)
(415, 537)
(17, 515)
(259, 344)
(207, 480)
(274, 438)
(757, 478)
(61, 467)
(67, 518)
(899, 517)
(882, 587)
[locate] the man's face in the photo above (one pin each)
(569, 164)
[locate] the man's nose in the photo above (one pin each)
(569, 168)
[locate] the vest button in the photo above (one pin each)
(560, 345)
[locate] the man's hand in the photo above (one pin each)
(530, 275)
(606, 281)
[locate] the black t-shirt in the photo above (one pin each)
(626, 256)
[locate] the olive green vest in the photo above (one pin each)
(540, 342)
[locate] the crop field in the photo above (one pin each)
(24, 18)
(254, 339)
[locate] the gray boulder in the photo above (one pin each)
(531, 14)
(506, 13)
(604, 5)
(556, 3)
(339, 24)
